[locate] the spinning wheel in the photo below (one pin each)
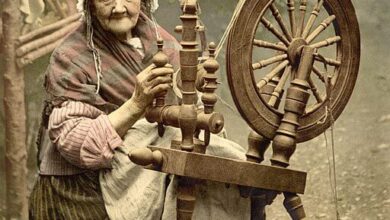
(257, 84)
(317, 54)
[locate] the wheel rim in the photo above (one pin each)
(258, 113)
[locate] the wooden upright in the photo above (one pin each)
(15, 114)
(284, 143)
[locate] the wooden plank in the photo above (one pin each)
(207, 167)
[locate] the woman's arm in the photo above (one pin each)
(83, 135)
(86, 136)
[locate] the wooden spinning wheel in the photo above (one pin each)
(289, 81)
(279, 30)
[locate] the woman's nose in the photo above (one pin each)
(119, 7)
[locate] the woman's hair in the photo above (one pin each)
(146, 7)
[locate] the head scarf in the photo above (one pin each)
(72, 71)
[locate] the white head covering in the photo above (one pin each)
(154, 4)
(80, 5)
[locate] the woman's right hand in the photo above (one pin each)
(150, 82)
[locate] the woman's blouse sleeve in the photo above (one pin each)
(83, 135)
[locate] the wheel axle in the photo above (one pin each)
(294, 51)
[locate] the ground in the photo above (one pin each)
(361, 134)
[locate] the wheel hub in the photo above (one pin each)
(295, 49)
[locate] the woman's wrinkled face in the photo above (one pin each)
(117, 16)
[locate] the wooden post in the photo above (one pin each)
(1, 32)
(15, 114)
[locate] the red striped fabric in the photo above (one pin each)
(83, 135)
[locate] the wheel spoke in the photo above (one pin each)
(279, 88)
(269, 61)
(327, 42)
(327, 61)
(302, 9)
(319, 74)
(279, 19)
(291, 14)
(271, 28)
(265, 44)
(320, 28)
(315, 90)
(314, 14)
(272, 74)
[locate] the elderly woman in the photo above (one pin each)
(99, 82)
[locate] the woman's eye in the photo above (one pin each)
(106, 1)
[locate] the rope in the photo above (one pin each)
(331, 163)
(329, 114)
(221, 43)
(332, 168)
(97, 62)
(229, 106)
(91, 46)
(236, 12)
(158, 36)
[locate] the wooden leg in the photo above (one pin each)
(259, 200)
(257, 145)
(258, 204)
(185, 198)
(293, 204)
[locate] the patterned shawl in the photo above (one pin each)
(71, 74)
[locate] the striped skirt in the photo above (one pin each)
(67, 197)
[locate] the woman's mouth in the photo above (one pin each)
(119, 16)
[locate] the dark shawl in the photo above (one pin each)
(71, 74)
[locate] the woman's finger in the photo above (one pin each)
(145, 74)
(163, 71)
(160, 88)
(160, 80)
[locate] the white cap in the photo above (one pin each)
(80, 5)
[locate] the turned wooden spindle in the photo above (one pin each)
(209, 98)
(188, 62)
(160, 60)
(301, 22)
(291, 14)
(188, 116)
(257, 146)
(271, 93)
(293, 204)
(186, 198)
(145, 157)
(284, 143)
(257, 143)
